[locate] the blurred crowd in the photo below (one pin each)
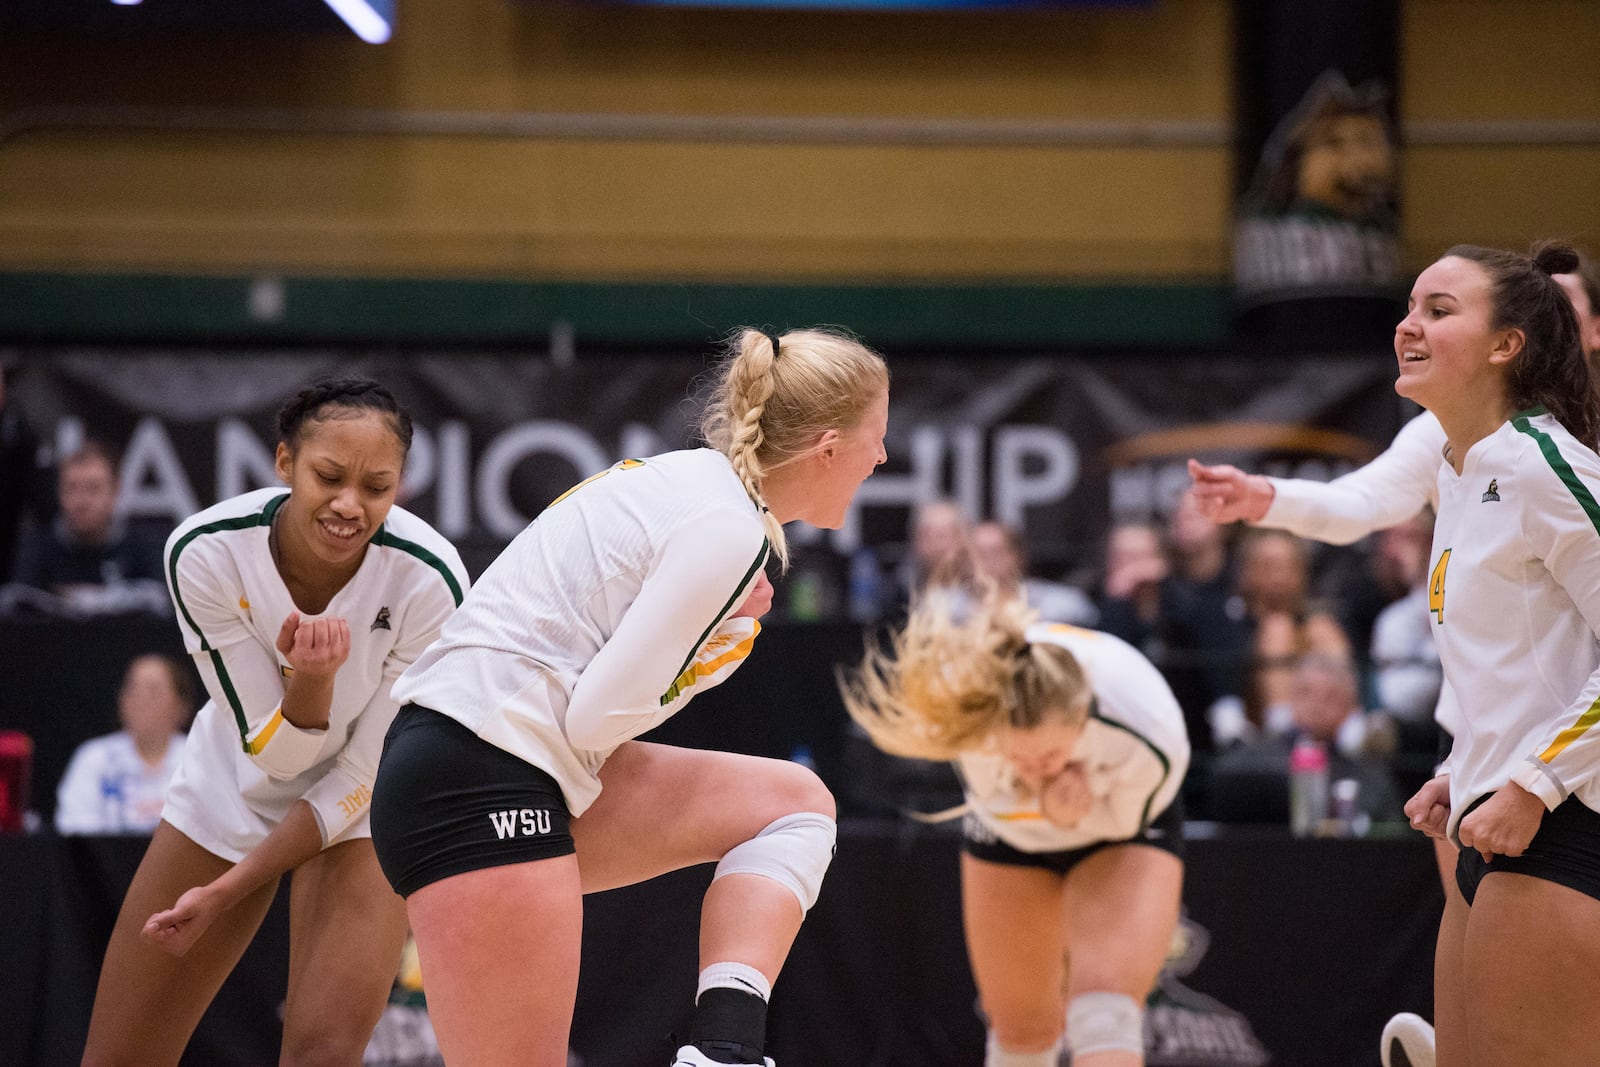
(1265, 638)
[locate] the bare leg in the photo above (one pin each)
(1122, 907)
(1451, 1038)
(347, 929)
(1014, 926)
(148, 1003)
(499, 949)
(717, 800)
(1530, 945)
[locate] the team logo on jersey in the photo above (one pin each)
(382, 621)
(1491, 493)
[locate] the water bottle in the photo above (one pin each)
(1345, 809)
(866, 603)
(1308, 787)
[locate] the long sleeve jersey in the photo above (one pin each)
(1514, 590)
(1386, 492)
(231, 603)
(603, 617)
(1400, 482)
(1134, 751)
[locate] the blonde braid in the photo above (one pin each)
(773, 396)
(750, 386)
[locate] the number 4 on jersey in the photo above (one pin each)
(1436, 586)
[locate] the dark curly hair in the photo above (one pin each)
(335, 398)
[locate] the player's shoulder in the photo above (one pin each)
(1541, 446)
(414, 545)
(225, 521)
(244, 511)
(1081, 640)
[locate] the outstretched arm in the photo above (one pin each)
(1386, 492)
(1224, 493)
(290, 844)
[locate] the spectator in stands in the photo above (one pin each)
(938, 560)
(1406, 672)
(116, 784)
(1167, 594)
(1131, 592)
(91, 560)
(1322, 705)
(998, 555)
(1276, 624)
(25, 491)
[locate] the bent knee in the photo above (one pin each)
(336, 1046)
(794, 788)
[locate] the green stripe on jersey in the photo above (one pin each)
(411, 548)
(1563, 470)
(761, 559)
(241, 522)
(1166, 764)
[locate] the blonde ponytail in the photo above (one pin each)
(946, 686)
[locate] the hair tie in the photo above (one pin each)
(773, 338)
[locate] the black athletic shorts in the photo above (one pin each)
(978, 841)
(1566, 851)
(446, 802)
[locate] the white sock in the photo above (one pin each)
(999, 1057)
(739, 976)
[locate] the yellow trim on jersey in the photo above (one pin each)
(1572, 733)
(698, 670)
(1066, 629)
(258, 743)
(625, 465)
(1017, 816)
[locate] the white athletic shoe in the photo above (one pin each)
(1407, 1042)
(689, 1056)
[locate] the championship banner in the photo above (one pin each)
(1059, 447)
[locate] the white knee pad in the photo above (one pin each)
(995, 1056)
(793, 851)
(1105, 1022)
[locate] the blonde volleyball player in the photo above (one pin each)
(1387, 491)
(512, 783)
(1072, 750)
(300, 607)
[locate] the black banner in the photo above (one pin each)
(1058, 447)
(1317, 235)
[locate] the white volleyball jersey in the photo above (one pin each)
(1396, 485)
(245, 764)
(1134, 750)
(602, 617)
(1514, 590)
(1386, 492)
